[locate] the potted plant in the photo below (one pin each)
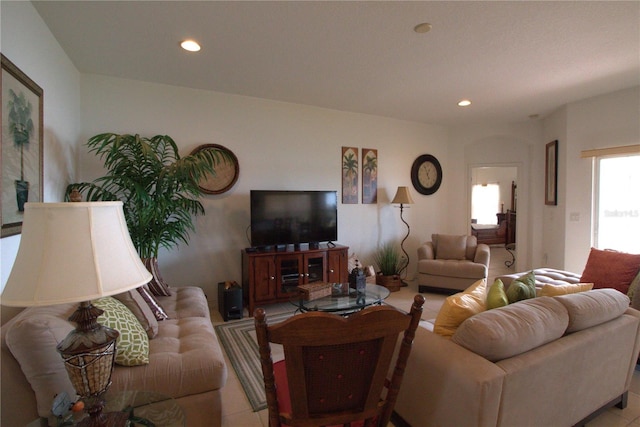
(389, 263)
(20, 127)
(158, 188)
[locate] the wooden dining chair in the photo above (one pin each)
(335, 368)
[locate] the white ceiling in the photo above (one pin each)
(512, 59)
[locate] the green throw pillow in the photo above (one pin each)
(132, 346)
(496, 297)
(522, 288)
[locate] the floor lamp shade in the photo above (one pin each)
(402, 197)
(72, 252)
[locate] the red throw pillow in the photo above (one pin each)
(610, 269)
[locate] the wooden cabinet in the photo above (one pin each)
(270, 277)
(338, 268)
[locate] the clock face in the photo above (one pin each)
(426, 174)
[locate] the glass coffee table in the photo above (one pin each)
(145, 408)
(343, 300)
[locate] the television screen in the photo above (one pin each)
(293, 217)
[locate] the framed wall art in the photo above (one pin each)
(22, 144)
(551, 174)
(369, 175)
(349, 175)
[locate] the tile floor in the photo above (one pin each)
(237, 412)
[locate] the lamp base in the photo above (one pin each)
(88, 353)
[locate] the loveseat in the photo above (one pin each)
(451, 263)
(185, 361)
(546, 361)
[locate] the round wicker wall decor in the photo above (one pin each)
(226, 172)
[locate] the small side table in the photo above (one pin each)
(157, 408)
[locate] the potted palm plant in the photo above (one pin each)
(389, 263)
(20, 128)
(158, 188)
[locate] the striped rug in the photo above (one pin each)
(239, 342)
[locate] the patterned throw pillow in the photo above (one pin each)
(139, 307)
(132, 346)
(153, 303)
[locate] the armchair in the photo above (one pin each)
(451, 263)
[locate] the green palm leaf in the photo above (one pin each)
(158, 188)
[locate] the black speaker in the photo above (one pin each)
(230, 301)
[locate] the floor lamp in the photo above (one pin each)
(77, 252)
(403, 197)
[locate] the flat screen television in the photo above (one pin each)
(293, 217)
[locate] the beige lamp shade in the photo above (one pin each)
(72, 252)
(403, 197)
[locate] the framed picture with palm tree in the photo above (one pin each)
(349, 175)
(21, 141)
(369, 175)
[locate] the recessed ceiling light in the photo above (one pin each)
(464, 103)
(425, 27)
(190, 45)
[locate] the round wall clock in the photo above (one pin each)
(426, 174)
(226, 172)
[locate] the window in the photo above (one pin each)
(617, 203)
(485, 203)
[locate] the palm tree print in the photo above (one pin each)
(20, 127)
(370, 176)
(349, 175)
(20, 123)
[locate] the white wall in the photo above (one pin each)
(497, 145)
(288, 146)
(552, 250)
(603, 121)
(27, 42)
(279, 146)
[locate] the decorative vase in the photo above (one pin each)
(22, 193)
(393, 283)
(157, 284)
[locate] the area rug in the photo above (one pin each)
(239, 342)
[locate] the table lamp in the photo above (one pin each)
(403, 197)
(76, 252)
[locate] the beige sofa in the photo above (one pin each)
(540, 362)
(544, 276)
(451, 263)
(185, 362)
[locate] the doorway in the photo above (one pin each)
(493, 203)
